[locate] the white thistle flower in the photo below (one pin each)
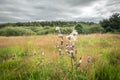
(57, 28)
(73, 36)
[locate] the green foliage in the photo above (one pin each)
(112, 24)
(43, 24)
(93, 29)
(20, 31)
(43, 28)
(66, 30)
(79, 28)
(96, 29)
(15, 31)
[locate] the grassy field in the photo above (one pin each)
(37, 58)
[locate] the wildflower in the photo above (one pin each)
(88, 59)
(80, 61)
(74, 33)
(72, 55)
(60, 51)
(73, 36)
(60, 36)
(57, 28)
(67, 50)
(67, 46)
(72, 47)
(61, 42)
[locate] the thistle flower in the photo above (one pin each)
(88, 59)
(67, 50)
(73, 36)
(60, 36)
(74, 32)
(61, 42)
(72, 55)
(72, 47)
(80, 61)
(57, 28)
(60, 51)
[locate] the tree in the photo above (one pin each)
(79, 28)
(112, 24)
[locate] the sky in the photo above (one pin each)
(57, 10)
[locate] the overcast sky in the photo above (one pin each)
(47, 10)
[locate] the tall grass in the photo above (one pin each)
(18, 62)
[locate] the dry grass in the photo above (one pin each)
(97, 46)
(92, 44)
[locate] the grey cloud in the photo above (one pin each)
(35, 10)
(80, 2)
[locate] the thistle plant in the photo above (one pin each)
(60, 46)
(70, 48)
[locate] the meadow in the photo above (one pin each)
(37, 58)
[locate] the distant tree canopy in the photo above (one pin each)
(43, 23)
(112, 24)
(79, 28)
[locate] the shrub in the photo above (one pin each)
(79, 28)
(15, 31)
(96, 29)
(66, 30)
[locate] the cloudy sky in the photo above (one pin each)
(63, 10)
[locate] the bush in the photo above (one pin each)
(15, 31)
(46, 30)
(66, 30)
(79, 28)
(96, 29)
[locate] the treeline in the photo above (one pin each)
(111, 24)
(43, 23)
(43, 28)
